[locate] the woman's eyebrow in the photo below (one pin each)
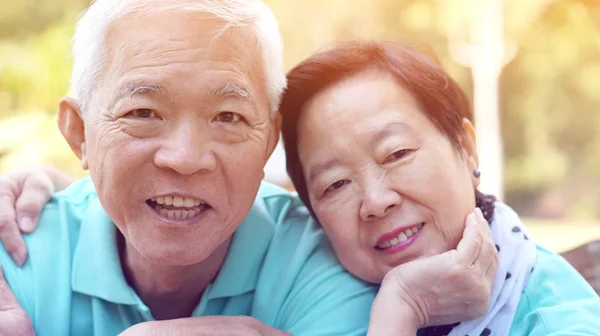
(388, 130)
(320, 168)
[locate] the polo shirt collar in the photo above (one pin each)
(249, 245)
(97, 267)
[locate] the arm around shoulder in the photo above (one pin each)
(325, 299)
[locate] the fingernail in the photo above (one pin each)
(479, 213)
(26, 224)
(18, 258)
(471, 217)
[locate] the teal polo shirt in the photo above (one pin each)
(280, 269)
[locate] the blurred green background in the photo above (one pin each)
(549, 88)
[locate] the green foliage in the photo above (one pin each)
(549, 96)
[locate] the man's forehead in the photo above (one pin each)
(185, 47)
(168, 31)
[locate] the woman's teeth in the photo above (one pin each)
(400, 238)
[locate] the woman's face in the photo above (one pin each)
(385, 183)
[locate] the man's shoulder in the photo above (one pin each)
(302, 277)
(294, 231)
(76, 196)
(557, 298)
(60, 219)
(50, 247)
(280, 203)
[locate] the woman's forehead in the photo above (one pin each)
(364, 103)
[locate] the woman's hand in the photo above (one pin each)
(23, 194)
(448, 288)
(205, 325)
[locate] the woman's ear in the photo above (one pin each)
(71, 125)
(469, 146)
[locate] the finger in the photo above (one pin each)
(8, 301)
(469, 246)
(488, 252)
(9, 230)
(33, 196)
(487, 262)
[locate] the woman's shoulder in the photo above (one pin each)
(556, 299)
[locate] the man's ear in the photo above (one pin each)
(71, 125)
(469, 145)
(275, 130)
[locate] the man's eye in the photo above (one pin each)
(142, 113)
(397, 155)
(336, 185)
(228, 117)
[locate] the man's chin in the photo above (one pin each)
(180, 255)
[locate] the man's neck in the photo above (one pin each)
(170, 291)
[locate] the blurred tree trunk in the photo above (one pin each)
(487, 64)
(485, 54)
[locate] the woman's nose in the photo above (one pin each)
(378, 201)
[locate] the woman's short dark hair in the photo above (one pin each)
(439, 96)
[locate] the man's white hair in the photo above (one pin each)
(89, 50)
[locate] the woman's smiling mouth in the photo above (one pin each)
(398, 239)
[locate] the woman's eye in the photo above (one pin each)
(142, 113)
(397, 155)
(336, 185)
(229, 117)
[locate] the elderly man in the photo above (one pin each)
(175, 115)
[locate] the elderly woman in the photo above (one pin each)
(381, 148)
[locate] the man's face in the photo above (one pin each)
(178, 132)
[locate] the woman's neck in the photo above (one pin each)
(170, 291)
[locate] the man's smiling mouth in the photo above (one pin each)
(178, 208)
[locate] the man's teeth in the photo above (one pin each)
(400, 238)
(180, 202)
(179, 214)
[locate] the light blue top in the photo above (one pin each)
(557, 301)
(280, 269)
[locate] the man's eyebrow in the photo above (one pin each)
(233, 90)
(133, 89)
(321, 168)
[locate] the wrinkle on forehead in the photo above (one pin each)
(154, 44)
(179, 37)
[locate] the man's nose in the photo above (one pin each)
(187, 150)
(378, 200)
